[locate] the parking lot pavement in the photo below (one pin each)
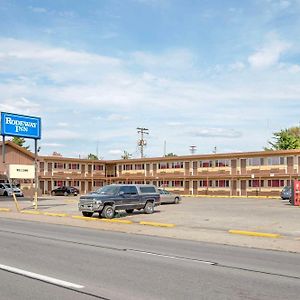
(202, 219)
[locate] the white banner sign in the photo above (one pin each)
(21, 171)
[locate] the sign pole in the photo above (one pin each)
(3, 149)
(35, 175)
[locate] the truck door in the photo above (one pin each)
(130, 198)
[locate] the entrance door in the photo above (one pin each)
(243, 188)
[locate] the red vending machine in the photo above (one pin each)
(295, 199)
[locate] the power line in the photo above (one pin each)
(142, 142)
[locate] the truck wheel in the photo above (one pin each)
(65, 194)
(149, 208)
(108, 212)
(5, 194)
(176, 200)
(87, 214)
(129, 211)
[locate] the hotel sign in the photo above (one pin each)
(20, 126)
(21, 171)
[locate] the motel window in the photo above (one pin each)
(223, 163)
(222, 183)
(139, 166)
(177, 183)
(255, 161)
(276, 183)
(59, 183)
(177, 165)
(127, 167)
(98, 167)
(74, 166)
(59, 166)
(205, 163)
(205, 183)
(255, 183)
(163, 183)
(275, 160)
(98, 183)
(163, 166)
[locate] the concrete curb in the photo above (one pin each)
(253, 233)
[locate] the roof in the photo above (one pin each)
(19, 148)
(180, 158)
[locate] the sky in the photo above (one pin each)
(208, 73)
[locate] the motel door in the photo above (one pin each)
(243, 188)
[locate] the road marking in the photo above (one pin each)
(174, 257)
(84, 218)
(54, 214)
(4, 209)
(41, 277)
(157, 224)
(253, 233)
(116, 221)
(30, 212)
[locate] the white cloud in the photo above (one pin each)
(60, 134)
(52, 145)
(216, 132)
(269, 54)
(115, 152)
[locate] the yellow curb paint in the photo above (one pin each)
(84, 218)
(157, 224)
(252, 233)
(54, 214)
(71, 201)
(4, 209)
(30, 212)
(116, 221)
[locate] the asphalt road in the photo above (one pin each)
(83, 263)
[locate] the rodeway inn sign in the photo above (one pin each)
(20, 126)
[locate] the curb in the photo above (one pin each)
(157, 224)
(253, 233)
(84, 218)
(115, 221)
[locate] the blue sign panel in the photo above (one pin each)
(20, 126)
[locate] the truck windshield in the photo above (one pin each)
(107, 190)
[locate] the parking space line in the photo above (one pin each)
(54, 214)
(253, 233)
(4, 209)
(157, 224)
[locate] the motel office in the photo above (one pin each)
(262, 173)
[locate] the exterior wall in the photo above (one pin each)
(236, 174)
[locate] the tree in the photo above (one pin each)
(286, 139)
(170, 154)
(20, 142)
(93, 156)
(126, 155)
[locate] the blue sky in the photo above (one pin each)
(205, 73)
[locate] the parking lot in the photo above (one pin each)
(202, 219)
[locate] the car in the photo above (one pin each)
(111, 198)
(7, 190)
(168, 197)
(65, 191)
(286, 193)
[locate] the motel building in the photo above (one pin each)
(261, 173)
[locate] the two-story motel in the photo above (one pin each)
(258, 173)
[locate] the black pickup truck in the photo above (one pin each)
(111, 198)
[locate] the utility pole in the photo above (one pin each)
(193, 149)
(142, 142)
(165, 148)
(215, 150)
